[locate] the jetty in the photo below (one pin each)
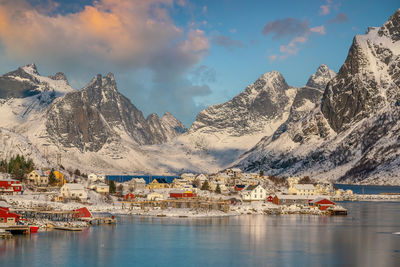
(192, 203)
(16, 229)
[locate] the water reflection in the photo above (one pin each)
(363, 238)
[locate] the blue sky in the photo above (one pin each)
(183, 55)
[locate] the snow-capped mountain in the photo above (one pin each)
(98, 113)
(59, 120)
(353, 134)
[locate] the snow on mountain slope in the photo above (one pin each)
(353, 136)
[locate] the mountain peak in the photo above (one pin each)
(31, 69)
(391, 28)
(59, 76)
(321, 78)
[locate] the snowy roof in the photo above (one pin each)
(8, 180)
(236, 170)
(304, 186)
(319, 199)
(4, 204)
(74, 186)
(139, 180)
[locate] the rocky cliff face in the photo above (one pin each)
(353, 135)
(99, 114)
(369, 78)
(320, 79)
(265, 100)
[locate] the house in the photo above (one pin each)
(92, 177)
(158, 183)
(73, 191)
(102, 188)
(60, 178)
(155, 196)
(239, 187)
(10, 187)
(38, 178)
(302, 189)
(270, 198)
(129, 197)
(322, 203)
(253, 193)
(291, 199)
(181, 194)
(83, 213)
(139, 183)
(292, 181)
(324, 188)
(178, 183)
(7, 217)
(202, 178)
(188, 176)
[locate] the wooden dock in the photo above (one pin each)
(191, 203)
(16, 229)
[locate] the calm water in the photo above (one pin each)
(369, 189)
(364, 238)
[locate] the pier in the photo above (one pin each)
(192, 203)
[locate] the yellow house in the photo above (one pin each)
(60, 177)
(37, 177)
(157, 183)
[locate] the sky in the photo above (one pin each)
(183, 55)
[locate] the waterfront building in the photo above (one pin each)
(155, 196)
(291, 199)
(10, 187)
(322, 203)
(181, 194)
(253, 193)
(302, 189)
(7, 217)
(129, 197)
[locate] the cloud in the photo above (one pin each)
(325, 9)
(227, 42)
(123, 36)
(272, 58)
(286, 27)
(299, 32)
(340, 18)
(233, 31)
(203, 74)
(319, 29)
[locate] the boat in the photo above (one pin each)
(33, 229)
(67, 228)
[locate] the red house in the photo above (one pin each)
(270, 198)
(83, 213)
(129, 196)
(239, 187)
(8, 217)
(10, 187)
(322, 203)
(181, 194)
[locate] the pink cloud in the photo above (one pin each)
(319, 29)
(326, 9)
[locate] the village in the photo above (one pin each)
(57, 199)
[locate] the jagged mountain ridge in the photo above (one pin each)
(352, 135)
(264, 100)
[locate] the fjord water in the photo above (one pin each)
(364, 238)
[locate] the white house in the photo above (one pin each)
(254, 192)
(92, 177)
(155, 196)
(73, 191)
(302, 189)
